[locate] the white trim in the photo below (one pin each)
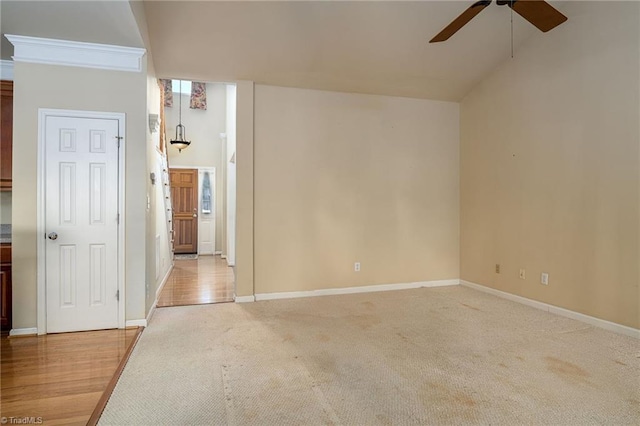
(164, 281)
(43, 113)
(76, 54)
(352, 290)
(244, 299)
(596, 322)
(158, 291)
(6, 70)
(223, 256)
(213, 214)
(136, 323)
(219, 252)
(152, 311)
(23, 331)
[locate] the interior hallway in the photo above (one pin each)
(207, 279)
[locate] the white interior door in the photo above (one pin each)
(81, 223)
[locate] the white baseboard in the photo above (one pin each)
(158, 291)
(136, 323)
(164, 281)
(244, 299)
(152, 311)
(32, 331)
(223, 256)
(596, 322)
(352, 290)
(218, 252)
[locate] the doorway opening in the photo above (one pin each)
(201, 177)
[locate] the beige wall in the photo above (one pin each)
(244, 267)
(229, 249)
(46, 86)
(549, 162)
(159, 255)
(343, 178)
(203, 130)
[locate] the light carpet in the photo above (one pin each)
(448, 355)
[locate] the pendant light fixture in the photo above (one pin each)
(180, 142)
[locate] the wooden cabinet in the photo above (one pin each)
(6, 136)
(5, 286)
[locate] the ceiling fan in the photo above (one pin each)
(538, 12)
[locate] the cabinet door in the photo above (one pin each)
(5, 297)
(6, 134)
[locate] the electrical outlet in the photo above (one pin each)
(522, 274)
(497, 268)
(544, 278)
(356, 266)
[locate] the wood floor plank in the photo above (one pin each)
(59, 377)
(205, 280)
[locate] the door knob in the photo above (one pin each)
(195, 215)
(53, 236)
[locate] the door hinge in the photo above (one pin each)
(118, 295)
(118, 138)
(118, 218)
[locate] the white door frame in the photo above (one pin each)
(214, 213)
(43, 113)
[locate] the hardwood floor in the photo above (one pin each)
(205, 280)
(60, 377)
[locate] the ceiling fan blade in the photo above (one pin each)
(540, 13)
(461, 21)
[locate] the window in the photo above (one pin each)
(186, 86)
(206, 194)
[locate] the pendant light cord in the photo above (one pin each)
(511, 7)
(180, 114)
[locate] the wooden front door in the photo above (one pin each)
(184, 196)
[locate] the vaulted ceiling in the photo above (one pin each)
(106, 22)
(363, 47)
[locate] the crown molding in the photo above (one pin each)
(76, 54)
(6, 70)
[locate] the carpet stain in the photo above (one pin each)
(566, 369)
(471, 307)
(368, 305)
(288, 337)
(445, 395)
(384, 420)
(364, 321)
(520, 358)
(619, 362)
(326, 363)
(503, 365)
(273, 383)
(323, 337)
(403, 337)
